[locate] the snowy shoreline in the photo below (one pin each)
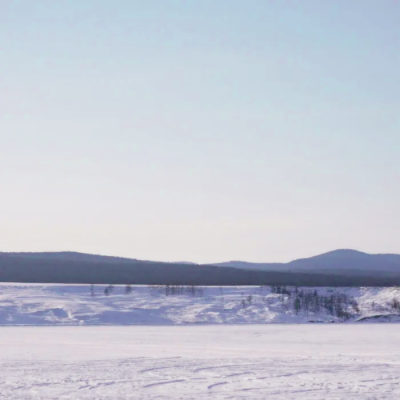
(100, 305)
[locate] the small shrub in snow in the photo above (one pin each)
(297, 305)
(108, 290)
(128, 289)
(395, 304)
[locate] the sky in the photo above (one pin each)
(199, 130)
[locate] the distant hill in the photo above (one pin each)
(337, 268)
(338, 261)
(72, 256)
(52, 269)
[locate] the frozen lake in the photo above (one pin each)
(313, 361)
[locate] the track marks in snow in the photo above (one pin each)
(214, 385)
(281, 380)
(154, 369)
(163, 383)
(239, 374)
(217, 367)
(36, 366)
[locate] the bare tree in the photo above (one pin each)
(395, 304)
(128, 289)
(108, 290)
(297, 305)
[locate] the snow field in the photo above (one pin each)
(309, 361)
(195, 343)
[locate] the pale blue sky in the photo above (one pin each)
(200, 130)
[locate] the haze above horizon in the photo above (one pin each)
(202, 130)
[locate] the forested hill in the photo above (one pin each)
(345, 261)
(75, 268)
(72, 256)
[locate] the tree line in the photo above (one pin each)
(20, 269)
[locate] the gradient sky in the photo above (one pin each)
(258, 130)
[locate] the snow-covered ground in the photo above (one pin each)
(22, 304)
(204, 343)
(330, 361)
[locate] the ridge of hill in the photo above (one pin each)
(336, 268)
(344, 261)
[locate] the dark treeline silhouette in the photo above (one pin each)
(35, 270)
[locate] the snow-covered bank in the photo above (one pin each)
(23, 304)
(330, 361)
